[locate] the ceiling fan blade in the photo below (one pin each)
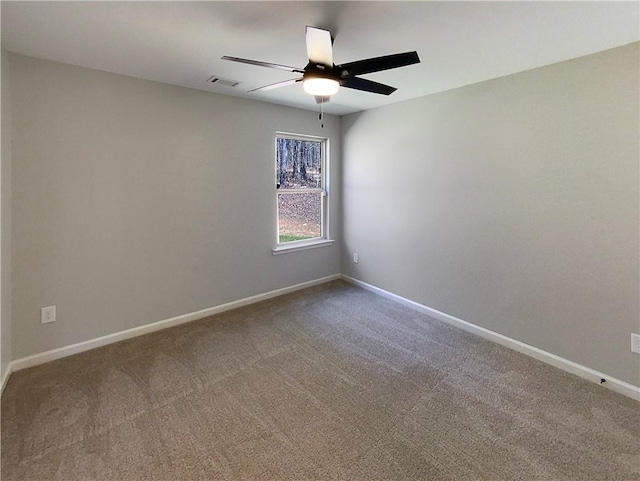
(263, 64)
(368, 86)
(378, 64)
(277, 85)
(319, 46)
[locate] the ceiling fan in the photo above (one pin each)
(322, 78)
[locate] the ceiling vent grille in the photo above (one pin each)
(223, 81)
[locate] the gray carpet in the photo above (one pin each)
(333, 383)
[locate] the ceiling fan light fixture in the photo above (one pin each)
(322, 78)
(321, 87)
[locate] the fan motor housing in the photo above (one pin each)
(322, 71)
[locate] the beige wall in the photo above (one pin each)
(5, 220)
(511, 204)
(135, 201)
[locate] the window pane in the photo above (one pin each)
(298, 164)
(299, 216)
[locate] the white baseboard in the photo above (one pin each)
(5, 377)
(579, 370)
(65, 351)
(574, 368)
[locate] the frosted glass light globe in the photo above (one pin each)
(322, 87)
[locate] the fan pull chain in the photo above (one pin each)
(320, 114)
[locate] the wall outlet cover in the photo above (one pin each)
(48, 314)
(635, 343)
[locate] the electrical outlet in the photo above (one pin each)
(356, 258)
(48, 314)
(635, 343)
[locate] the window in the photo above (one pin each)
(301, 190)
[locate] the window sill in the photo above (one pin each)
(300, 246)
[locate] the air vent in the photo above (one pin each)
(223, 81)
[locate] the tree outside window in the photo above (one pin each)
(301, 194)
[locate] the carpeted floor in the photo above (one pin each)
(333, 383)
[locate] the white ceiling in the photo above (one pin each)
(181, 43)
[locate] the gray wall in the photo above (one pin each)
(135, 201)
(511, 204)
(5, 219)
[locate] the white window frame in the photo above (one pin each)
(323, 240)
